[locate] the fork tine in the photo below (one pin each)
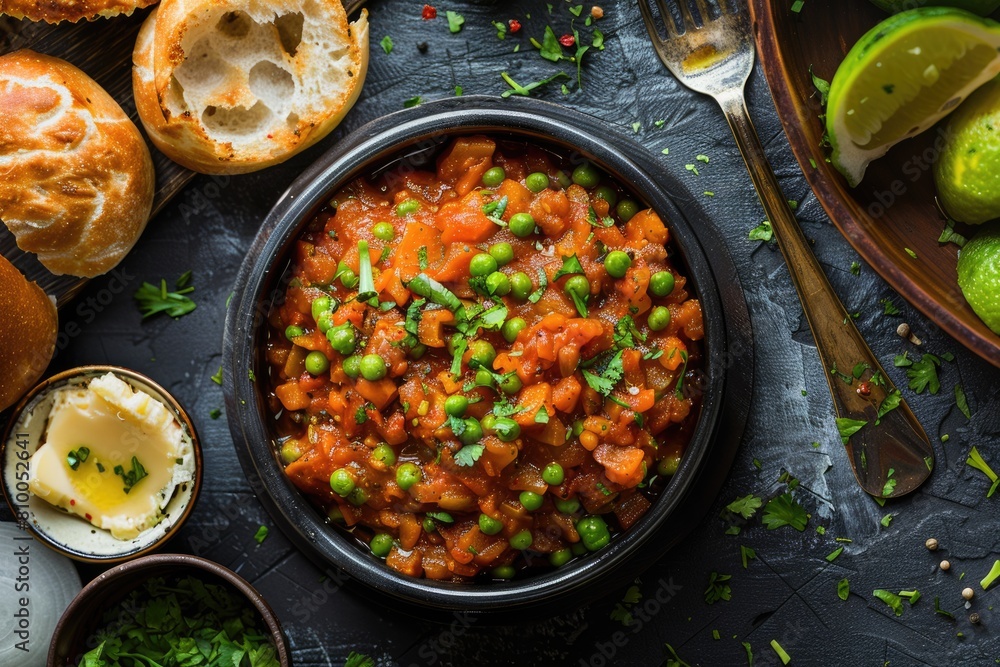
(650, 21)
(689, 24)
(727, 6)
(706, 15)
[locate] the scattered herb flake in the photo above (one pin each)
(832, 556)
(762, 232)
(386, 44)
(718, 588)
(468, 455)
(923, 374)
(783, 510)
(745, 506)
(894, 601)
(261, 534)
(843, 589)
(782, 654)
(455, 21)
(153, 299)
(848, 427)
(746, 554)
(962, 401)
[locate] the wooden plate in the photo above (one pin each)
(893, 209)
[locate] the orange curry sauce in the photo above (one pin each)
(588, 384)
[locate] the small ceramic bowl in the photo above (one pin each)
(85, 614)
(68, 534)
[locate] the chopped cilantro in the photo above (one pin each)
(468, 455)
(939, 610)
(888, 307)
(962, 401)
(886, 520)
(784, 511)
(261, 534)
(822, 86)
(358, 660)
(746, 554)
(693, 169)
(386, 44)
(455, 21)
(443, 517)
(412, 102)
(133, 476)
(891, 401)
(832, 556)
(746, 506)
(848, 427)
(910, 253)
(570, 266)
(718, 588)
(762, 232)
(605, 380)
(923, 374)
(855, 268)
(843, 589)
(550, 48)
(525, 90)
(977, 461)
(949, 235)
(894, 601)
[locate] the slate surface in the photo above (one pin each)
(789, 592)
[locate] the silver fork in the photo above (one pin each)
(714, 55)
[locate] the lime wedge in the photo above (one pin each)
(903, 76)
(979, 274)
(981, 7)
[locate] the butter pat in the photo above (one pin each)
(112, 455)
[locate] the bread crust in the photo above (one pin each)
(76, 177)
(28, 331)
(180, 122)
(56, 11)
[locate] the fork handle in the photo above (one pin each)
(857, 381)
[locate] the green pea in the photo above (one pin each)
(498, 284)
(521, 541)
(626, 209)
(503, 572)
(352, 366)
(536, 182)
(577, 428)
(324, 322)
(483, 378)
(586, 175)
(578, 285)
(348, 278)
(488, 422)
(320, 305)
(317, 363)
(384, 454)
(521, 224)
(561, 557)
(553, 474)
(417, 351)
(483, 353)
(661, 283)
(384, 231)
(669, 464)
(293, 331)
(507, 429)
(512, 327)
(343, 340)
(373, 367)
(407, 207)
(607, 193)
(290, 451)
(521, 286)
(456, 405)
(488, 525)
(568, 506)
(563, 179)
(502, 252)
(511, 384)
(342, 482)
(617, 263)
(357, 497)
(594, 532)
(381, 545)
(659, 318)
(429, 525)
(473, 432)
(578, 549)
(482, 264)
(530, 500)
(407, 475)
(494, 176)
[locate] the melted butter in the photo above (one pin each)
(703, 57)
(115, 423)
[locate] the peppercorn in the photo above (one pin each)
(945, 565)
(974, 618)
(931, 544)
(968, 593)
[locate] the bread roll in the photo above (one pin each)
(76, 179)
(27, 333)
(54, 11)
(233, 86)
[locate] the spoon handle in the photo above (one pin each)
(886, 445)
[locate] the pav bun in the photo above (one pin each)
(28, 332)
(233, 86)
(76, 178)
(55, 11)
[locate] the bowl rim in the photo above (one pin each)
(589, 138)
(171, 402)
(121, 571)
(828, 191)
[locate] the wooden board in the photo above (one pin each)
(102, 49)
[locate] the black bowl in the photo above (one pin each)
(413, 135)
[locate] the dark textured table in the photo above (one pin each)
(789, 592)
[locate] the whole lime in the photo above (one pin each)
(979, 274)
(981, 7)
(966, 173)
